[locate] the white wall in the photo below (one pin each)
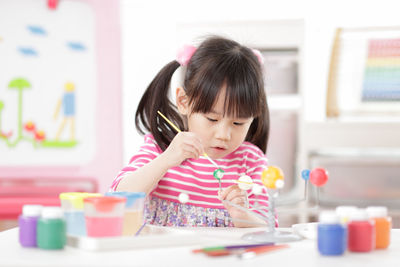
(149, 40)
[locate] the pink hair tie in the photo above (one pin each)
(185, 54)
(259, 56)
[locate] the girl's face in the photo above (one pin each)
(219, 134)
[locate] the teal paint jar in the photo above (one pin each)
(51, 229)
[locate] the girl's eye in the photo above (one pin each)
(238, 123)
(212, 120)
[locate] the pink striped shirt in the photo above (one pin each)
(195, 176)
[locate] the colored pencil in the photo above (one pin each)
(250, 253)
(245, 253)
(244, 246)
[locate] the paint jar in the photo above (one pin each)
(104, 215)
(72, 205)
(383, 225)
(133, 216)
(344, 213)
(332, 234)
(27, 223)
(51, 229)
(361, 232)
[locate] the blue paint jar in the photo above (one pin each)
(72, 205)
(332, 235)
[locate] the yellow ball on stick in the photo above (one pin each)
(270, 175)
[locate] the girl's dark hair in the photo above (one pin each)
(216, 62)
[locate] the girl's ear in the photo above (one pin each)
(182, 101)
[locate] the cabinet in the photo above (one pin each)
(362, 158)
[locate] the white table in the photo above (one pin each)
(302, 253)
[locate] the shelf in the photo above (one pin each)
(395, 118)
(388, 156)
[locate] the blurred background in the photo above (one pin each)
(331, 74)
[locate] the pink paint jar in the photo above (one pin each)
(104, 216)
(133, 218)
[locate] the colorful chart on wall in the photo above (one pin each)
(382, 68)
(364, 72)
(47, 83)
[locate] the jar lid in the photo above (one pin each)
(377, 211)
(359, 215)
(104, 203)
(345, 211)
(329, 217)
(131, 197)
(32, 210)
(52, 213)
(76, 198)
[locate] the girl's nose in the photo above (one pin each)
(223, 133)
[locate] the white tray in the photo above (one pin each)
(157, 237)
(150, 237)
(306, 230)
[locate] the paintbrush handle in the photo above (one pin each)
(213, 162)
(169, 122)
(178, 130)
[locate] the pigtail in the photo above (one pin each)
(258, 133)
(156, 98)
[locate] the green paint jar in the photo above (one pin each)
(51, 229)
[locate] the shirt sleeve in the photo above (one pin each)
(147, 152)
(256, 162)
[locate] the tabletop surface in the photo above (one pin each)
(300, 253)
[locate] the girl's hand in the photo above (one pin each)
(237, 196)
(185, 145)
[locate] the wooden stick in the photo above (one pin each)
(332, 109)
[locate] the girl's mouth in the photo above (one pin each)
(219, 149)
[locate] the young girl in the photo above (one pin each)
(222, 111)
